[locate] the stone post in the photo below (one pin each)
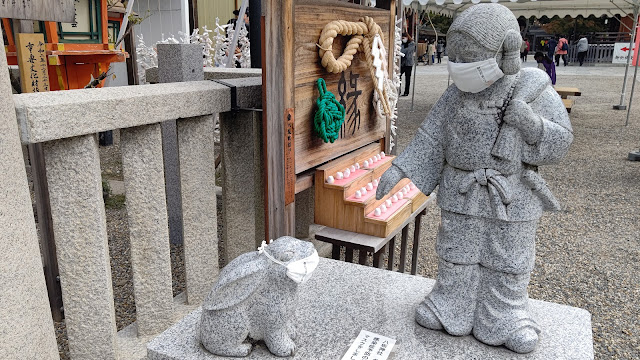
(242, 184)
(176, 63)
(149, 236)
(26, 329)
(198, 180)
(80, 228)
(304, 212)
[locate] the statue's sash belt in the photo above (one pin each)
(501, 192)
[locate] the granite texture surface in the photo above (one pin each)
(341, 299)
(176, 63)
(26, 328)
(248, 92)
(80, 228)
(61, 114)
(242, 178)
(483, 150)
(180, 62)
(198, 191)
(255, 297)
(212, 73)
(143, 170)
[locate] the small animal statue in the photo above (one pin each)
(256, 296)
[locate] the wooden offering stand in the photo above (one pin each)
(297, 159)
(350, 203)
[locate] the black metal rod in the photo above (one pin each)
(255, 45)
(416, 242)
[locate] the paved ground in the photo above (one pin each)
(588, 255)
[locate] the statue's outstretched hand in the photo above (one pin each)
(520, 115)
(389, 179)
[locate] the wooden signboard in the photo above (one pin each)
(45, 10)
(32, 60)
(353, 88)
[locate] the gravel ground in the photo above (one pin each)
(588, 254)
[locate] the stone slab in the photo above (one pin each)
(248, 92)
(143, 171)
(80, 228)
(198, 190)
(62, 114)
(212, 73)
(242, 182)
(176, 63)
(180, 62)
(26, 329)
(341, 299)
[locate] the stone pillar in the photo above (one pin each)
(148, 232)
(176, 63)
(304, 212)
(242, 187)
(26, 329)
(198, 178)
(80, 227)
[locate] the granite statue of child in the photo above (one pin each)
(482, 143)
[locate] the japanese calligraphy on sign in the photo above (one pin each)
(32, 60)
(369, 346)
(45, 10)
(349, 99)
(353, 88)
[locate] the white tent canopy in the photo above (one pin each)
(538, 8)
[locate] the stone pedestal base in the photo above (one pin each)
(341, 299)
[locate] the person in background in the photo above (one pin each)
(551, 49)
(429, 53)
(433, 52)
(546, 63)
(583, 47)
(523, 51)
(408, 60)
(562, 50)
(440, 50)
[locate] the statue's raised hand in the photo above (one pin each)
(520, 115)
(389, 179)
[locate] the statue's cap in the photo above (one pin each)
(486, 23)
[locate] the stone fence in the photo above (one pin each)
(66, 122)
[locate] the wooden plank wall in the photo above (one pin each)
(45, 10)
(310, 19)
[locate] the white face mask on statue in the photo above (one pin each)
(475, 76)
(299, 270)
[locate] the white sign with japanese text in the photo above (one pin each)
(620, 53)
(369, 346)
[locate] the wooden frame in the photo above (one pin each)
(291, 66)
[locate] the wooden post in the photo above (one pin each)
(132, 63)
(41, 190)
(278, 76)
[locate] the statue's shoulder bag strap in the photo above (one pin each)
(503, 148)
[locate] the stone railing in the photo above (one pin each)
(65, 123)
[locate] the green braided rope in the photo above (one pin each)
(330, 115)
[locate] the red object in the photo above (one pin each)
(72, 65)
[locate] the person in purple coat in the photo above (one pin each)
(545, 63)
